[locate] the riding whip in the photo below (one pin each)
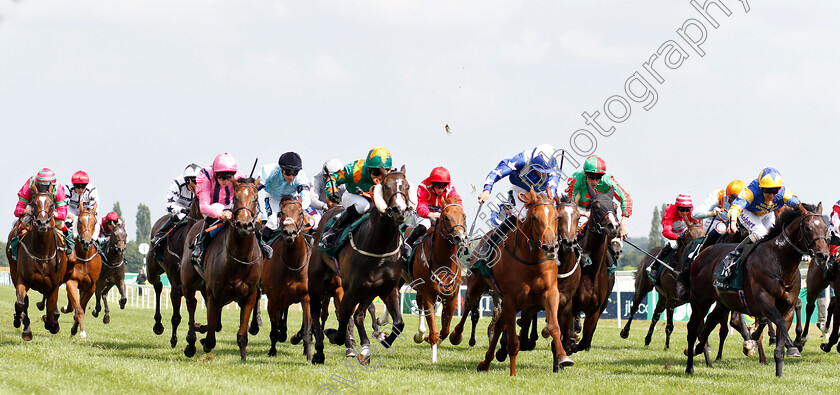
(654, 258)
(472, 227)
(254, 168)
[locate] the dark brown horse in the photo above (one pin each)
(174, 247)
(667, 285)
(232, 266)
(816, 282)
(113, 271)
(80, 279)
(41, 261)
(595, 285)
(370, 268)
(771, 280)
(285, 276)
(525, 272)
(436, 272)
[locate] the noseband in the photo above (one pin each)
(809, 246)
(251, 212)
(449, 234)
(299, 228)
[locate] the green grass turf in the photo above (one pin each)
(125, 356)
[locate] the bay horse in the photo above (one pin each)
(436, 271)
(667, 300)
(525, 272)
(41, 261)
(771, 280)
(595, 284)
(285, 276)
(232, 266)
(175, 245)
(113, 271)
(816, 282)
(371, 267)
(80, 279)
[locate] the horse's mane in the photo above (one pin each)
(788, 216)
(565, 199)
(246, 180)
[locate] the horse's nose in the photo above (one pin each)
(821, 258)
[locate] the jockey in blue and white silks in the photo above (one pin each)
(285, 178)
(535, 168)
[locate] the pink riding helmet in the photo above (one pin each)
(225, 163)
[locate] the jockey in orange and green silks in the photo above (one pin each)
(358, 178)
(595, 174)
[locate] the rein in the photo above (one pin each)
(234, 225)
(528, 240)
(808, 246)
(41, 260)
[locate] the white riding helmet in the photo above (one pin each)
(333, 165)
(192, 170)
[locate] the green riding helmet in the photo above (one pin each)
(594, 164)
(378, 156)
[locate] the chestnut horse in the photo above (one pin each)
(285, 277)
(175, 242)
(113, 271)
(666, 290)
(370, 268)
(525, 271)
(41, 261)
(436, 271)
(232, 266)
(80, 279)
(771, 280)
(595, 285)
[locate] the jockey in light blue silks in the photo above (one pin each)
(285, 178)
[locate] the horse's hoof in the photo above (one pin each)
(40, 305)
(200, 328)
(272, 352)
(158, 328)
(206, 346)
(578, 337)
(772, 341)
(106, 319)
(94, 313)
(281, 338)
(455, 339)
(685, 351)
(472, 342)
(793, 352)
(26, 335)
(16, 321)
(189, 350)
(624, 333)
(122, 303)
(545, 333)
(219, 328)
(380, 337)
(55, 329)
(350, 353)
(825, 347)
(296, 338)
(566, 361)
(364, 356)
(254, 330)
(73, 330)
(173, 341)
(418, 337)
(501, 354)
(482, 366)
(82, 335)
(318, 358)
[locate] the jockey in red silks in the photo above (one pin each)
(675, 221)
(106, 227)
(214, 190)
(45, 181)
(431, 194)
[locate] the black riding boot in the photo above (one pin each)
(654, 267)
(495, 239)
(171, 222)
(201, 241)
(412, 237)
(733, 256)
(266, 249)
(683, 284)
(349, 216)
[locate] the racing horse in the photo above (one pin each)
(771, 280)
(595, 285)
(285, 277)
(817, 281)
(174, 247)
(41, 261)
(435, 271)
(113, 271)
(666, 290)
(232, 266)
(371, 267)
(80, 279)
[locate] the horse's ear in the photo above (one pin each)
(819, 208)
(611, 192)
(590, 191)
(257, 181)
(550, 194)
(383, 170)
(402, 169)
(51, 189)
(525, 198)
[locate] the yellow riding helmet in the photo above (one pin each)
(769, 178)
(735, 187)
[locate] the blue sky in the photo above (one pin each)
(133, 91)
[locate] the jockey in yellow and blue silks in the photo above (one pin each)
(755, 207)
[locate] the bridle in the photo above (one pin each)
(448, 233)
(112, 246)
(809, 246)
(299, 228)
(253, 213)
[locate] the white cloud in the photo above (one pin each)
(530, 48)
(267, 68)
(432, 13)
(326, 69)
(587, 46)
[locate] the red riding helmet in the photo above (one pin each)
(80, 177)
(112, 216)
(440, 174)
